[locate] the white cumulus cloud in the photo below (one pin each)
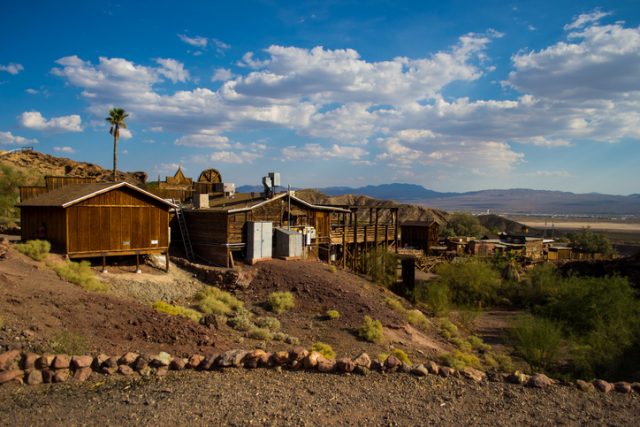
(8, 138)
(12, 68)
(65, 149)
(35, 120)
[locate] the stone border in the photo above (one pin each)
(31, 369)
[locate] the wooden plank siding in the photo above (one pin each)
(54, 221)
(30, 191)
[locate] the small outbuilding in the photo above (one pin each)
(419, 234)
(98, 219)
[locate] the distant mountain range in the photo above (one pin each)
(514, 201)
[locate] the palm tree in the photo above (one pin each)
(116, 120)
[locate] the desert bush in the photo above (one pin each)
(436, 295)
(395, 305)
(11, 179)
(324, 349)
(333, 269)
(177, 310)
(478, 344)
(587, 241)
(263, 334)
(500, 362)
(460, 360)
(463, 224)
(80, 273)
(279, 302)
(241, 320)
(537, 340)
(332, 314)
(382, 267)
(212, 300)
(462, 343)
(418, 319)
(401, 355)
(70, 343)
(290, 339)
(471, 282)
(267, 322)
(447, 329)
(35, 249)
(467, 318)
(539, 286)
(371, 330)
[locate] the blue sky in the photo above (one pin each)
(454, 96)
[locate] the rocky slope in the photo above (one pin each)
(37, 164)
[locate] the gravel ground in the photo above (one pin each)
(268, 397)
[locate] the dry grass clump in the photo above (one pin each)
(212, 300)
(70, 343)
(289, 339)
(395, 305)
(177, 310)
(459, 360)
(35, 249)
(80, 273)
(500, 362)
(267, 322)
(324, 349)
(418, 319)
(279, 302)
(371, 330)
(401, 355)
(263, 334)
(241, 320)
(332, 314)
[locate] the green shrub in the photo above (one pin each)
(324, 349)
(260, 334)
(35, 249)
(212, 300)
(241, 320)
(537, 340)
(447, 329)
(381, 357)
(382, 267)
(333, 269)
(460, 360)
(587, 241)
(471, 282)
(540, 286)
(177, 310)
(267, 322)
(279, 302)
(332, 314)
(418, 319)
(463, 224)
(70, 343)
(395, 305)
(291, 340)
(11, 179)
(80, 273)
(478, 344)
(401, 355)
(467, 318)
(371, 330)
(462, 344)
(436, 295)
(505, 364)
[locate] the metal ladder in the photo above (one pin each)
(186, 240)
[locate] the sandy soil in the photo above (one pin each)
(577, 225)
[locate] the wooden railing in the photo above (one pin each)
(364, 233)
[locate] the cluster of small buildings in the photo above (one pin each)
(207, 218)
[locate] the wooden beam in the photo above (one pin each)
(396, 228)
(344, 240)
(355, 241)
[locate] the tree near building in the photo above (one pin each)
(116, 119)
(586, 241)
(463, 224)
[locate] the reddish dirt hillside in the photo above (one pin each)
(37, 308)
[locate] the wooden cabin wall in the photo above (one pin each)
(30, 191)
(54, 182)
(208, 234)
(31, 218)
(120, 221)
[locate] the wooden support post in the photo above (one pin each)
(344, 240)
(166, 262)
(104, 263)
(396, 228)
(355, 241)
(138, 263)
(370, 216)
(386, 237)
(364, 255)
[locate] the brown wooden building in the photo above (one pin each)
(221, 230)
(98, 219)
(419, 234)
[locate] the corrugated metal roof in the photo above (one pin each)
(71, 194)
(241, 202)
